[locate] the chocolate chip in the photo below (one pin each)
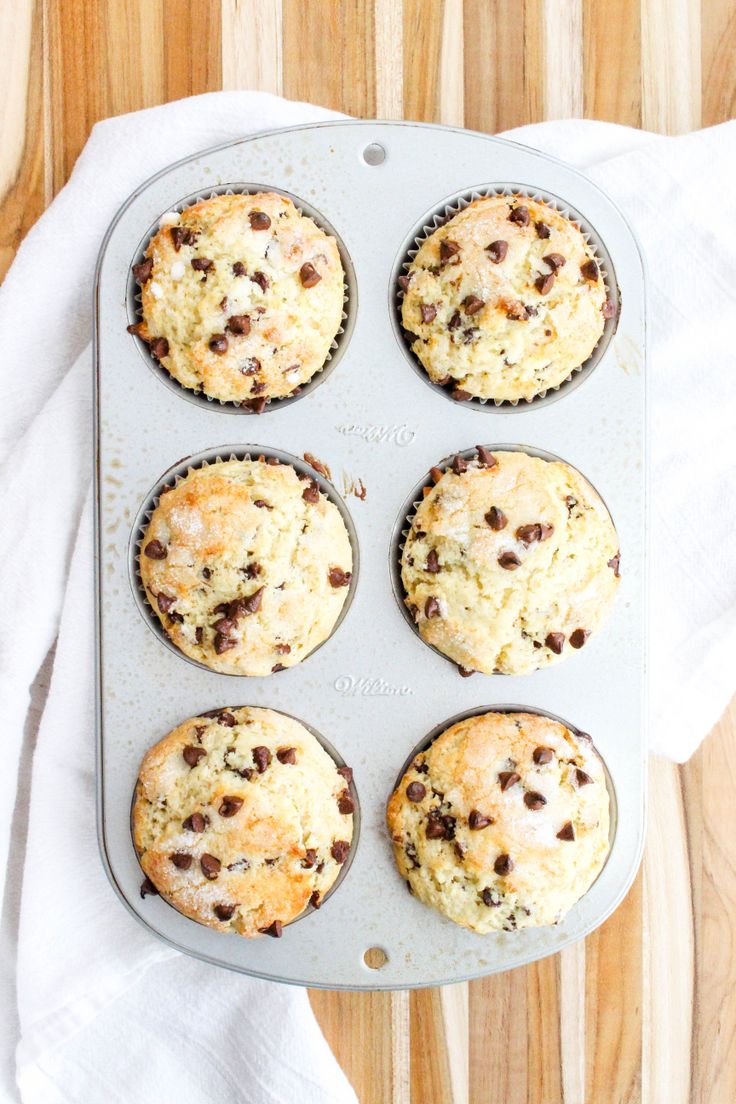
(210, 866)
(164, 602)
(253, 602)
(477, 821)
(431, 608)
(155, 550)
(608, 309)
(193, 754)
(181, 860)
(178, 236)
(543, 755)
(275, 930)
(566, 832)
(530, 534)
(555, 641)
(259, 220)
(490, 898)
(283, 649)
(276, 668)
(239, 269)
(436, 474)
(261, 758)
(459, 395)
(436, 828)
(159, 348)
(201, 264)
(470, 335)
(451, 325)
(543, 230)
(534, 801)
(148, 889)
(346, 773)
(262, 504)
(428, 312)
(589, 270)
(230, 805)
(579, 637)
(486, 459)
(520, 215)
(143, 271)
(517, 312)
(555, 261)
(194, 823)
(433, 563)
(464, 672)
(459, 465)
(256, 405)
(345, 803)
(311, 493)
(404, 281)
(138, 329)
(473, 304)
(496, 519)
(239, 324)
(218, 343)
(226, 719)
(340, 850)
(250, 572)
(309, 275)
(582, 778)
(315, 900)
(614, 564)
(338, 577)
(224, 912)
(286, 755)
(448, 249)
(508, 779)
(509, 561)
(223, 643)
(199, 634)
(544, 284)
(310, 858)
(503, 865)
(497, 250)
(415, 791)
(263, 282)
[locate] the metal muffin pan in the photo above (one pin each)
(374, 689)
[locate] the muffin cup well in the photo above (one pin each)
(442, 213)
(172, 477)
(339, 343)
(405, 519)
(340, 762)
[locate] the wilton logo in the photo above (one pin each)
(399, 435)
(351, 687)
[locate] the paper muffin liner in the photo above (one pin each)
(452, 206)
(172, 478)
(405, 520)
(339, 342)
(337, 758)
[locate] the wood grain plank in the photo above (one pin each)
(192, 41)
(504, 64)
(718, 52)
(389, 37)
(251, 45)
(612, 61)
(670, 50)
(439, 1045)
(451, 105)
(563, 58)
(422, 44)
(338, 70)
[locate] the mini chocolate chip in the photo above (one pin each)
(465, 672)
(614, 564)
(530, 534)
(428, 312)
(199, 634)
(310, 858)
(276, 668)
(239, 324)
(431, 608)
(256, 405)
(448, 249)
(262, 504)
(433, 563)
(520, 215)
(315, 900)
(582, 778)
(143, 271)
(544, 283)
(509, 561)
(415, 791)
(451, 325)
(534, 801)
(283, 649)
(435, 828)
(218, 343)
(608, 309)
(490, 898)
(224, 912)
(286, 755)
(194, 823)
(263, 282)
(503, 865)
(473, 304)
(181, 860)
(543, 755)
(155, 550)
(309, 275)
(225, 626)
(226, 719)
(311, 493)
(259, 220)
(193, 754)
(164, 602)
(345, 803)
(275, 930)
(178, 236)
(223, 643)
(543, 230)
(239, 269)
(579, 637)
(159, 348)
(589, 270)
(404, 281)
(566, 832)
(470, 335)
(459, 395)
(555, 261)
(486, 459)
(508, 779)
(517, 312)
(346, 773)
(261, 758)
(497, 251)
(436, 474)
(148, 889)
(201, 264)
(459, 465)
(230, 805)
(340, 850)
(253, 602)
(555, 641)
(477, 821)
(338, 577)
(210, 866)
(496, 519)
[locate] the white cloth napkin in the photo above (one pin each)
(103, 1012)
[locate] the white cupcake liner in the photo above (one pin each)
(339, 343)
(172, 478)
(446, 210)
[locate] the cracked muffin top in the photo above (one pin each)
(242, 297)
(510, 564)
(504, 300)
(503, 822)
(241, 820)
(247, 565)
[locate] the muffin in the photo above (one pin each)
(503, 822)
(505, 300)
(241, 296)
(241, 820)
(510, 564)
(247, 565)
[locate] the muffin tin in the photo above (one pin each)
(374, 690)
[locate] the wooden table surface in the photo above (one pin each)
(645, 1008)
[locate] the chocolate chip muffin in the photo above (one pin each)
(242, 297)
(247, 565)
(503, 822)
(510, 564)
(241, 820)
(505, 300)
